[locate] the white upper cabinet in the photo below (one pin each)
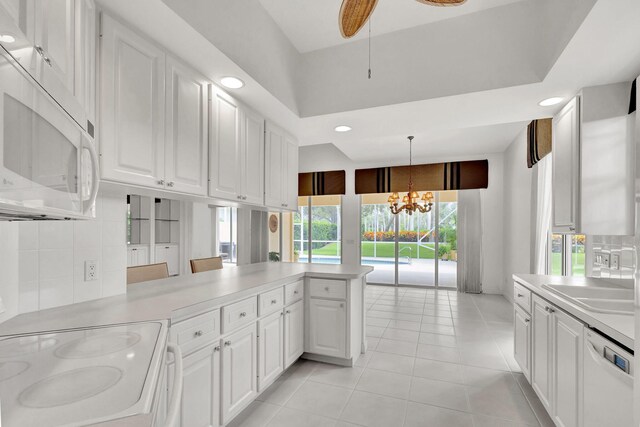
(56, 40)
(85, 59)
(593, 162)
(236, 160)
(274, 173)
(252, 157)
(186, 136)
(566, 167)
(132, 107)
(224, 151)
(281, 169)
(291, 182)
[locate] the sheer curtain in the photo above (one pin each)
(469, 241)
(542, 220)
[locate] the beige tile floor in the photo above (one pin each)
(436, 358)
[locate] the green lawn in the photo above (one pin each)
(383, 250)
(577, 261)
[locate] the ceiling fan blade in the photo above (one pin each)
(442, 2)
(353, 15)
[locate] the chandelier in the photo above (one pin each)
(410, 200)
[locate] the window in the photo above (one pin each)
(567, 255)
(227, 235)
(316, 235)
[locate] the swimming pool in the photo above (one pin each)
(365, 261)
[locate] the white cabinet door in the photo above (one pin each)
(224, 149)
(327, 327)
(522, 341)
(274, 173)
(200, 405)
(293, 333)
(186, 145)
(291, 174)
(566, 168)
(171, 255)
(132, 107)
(239, 371)
(541, 361)
(85, 60)
(270, 349)
(567, 369)
(55, 38)
(252, 157)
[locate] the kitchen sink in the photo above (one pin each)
(599, 299)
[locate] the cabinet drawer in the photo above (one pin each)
(197, 331)
(271, 301)
(522, 297)
(239, 314)
(326, 288)
(293, 292)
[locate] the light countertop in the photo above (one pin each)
(620, 327)
(176, 297)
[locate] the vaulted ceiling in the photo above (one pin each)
(464, 80)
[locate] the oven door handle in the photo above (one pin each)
(176, 394)
(95, 176)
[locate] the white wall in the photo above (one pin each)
(49, 257)
(517, 213)
(328, 157)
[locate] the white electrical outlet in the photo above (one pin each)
(615, 262)
(90, 270)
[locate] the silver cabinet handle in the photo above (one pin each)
(520, 295)
(198, 333)
(295, 292)
(527, 320)
(341, 305)
(326, 288)
(39, 49)
(288, 311)
(281, 313)
(273, 301)
(216, 348)
(243, 314)
(239, 197)
(244, 197)
(170, 184)
(161, 182)
(551, 310)
(227, 343)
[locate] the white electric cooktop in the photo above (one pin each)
(78, 377)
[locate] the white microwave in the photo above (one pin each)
(48, 163)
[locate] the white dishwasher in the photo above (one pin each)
(608, 382)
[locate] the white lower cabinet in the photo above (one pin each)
(522, 341)
(541, 351)
(567, 369)
(200, 406)
(556, 362)
(239, 371)
(327, 327)
(270, 349)
(293, 333)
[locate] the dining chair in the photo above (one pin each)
(206, 264)
(143, 273)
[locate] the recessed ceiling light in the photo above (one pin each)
(550, 101)
(232, 82)
(342, 128)
(7, 38)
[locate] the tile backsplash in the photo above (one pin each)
(612, 246)
(51, 256)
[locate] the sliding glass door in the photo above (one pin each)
(417, 250)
